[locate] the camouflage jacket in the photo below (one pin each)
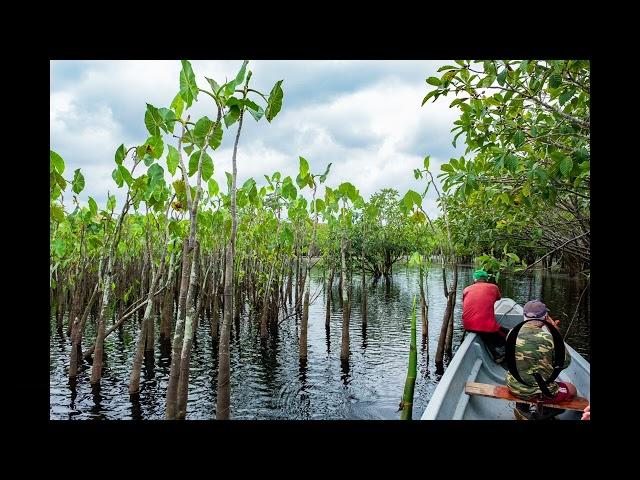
(534, 353)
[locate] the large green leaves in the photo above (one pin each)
(177, 105)
(304, 167)
(231, 116)
(173, 159)
(57, 213)
(230, 86)
(207, 165)
(120, 154)
(348, 191)
(412, 198)
(254, 109)
(188, 85)
(153, 120)
(274, 103)
(214, 189)
(77, 185)
(56, 162)
(201, 130)
(323, 177)
(288, 189)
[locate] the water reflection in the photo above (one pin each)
(267, 379)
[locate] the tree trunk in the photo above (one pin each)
(328, 296)
(223, 400)
(423, 305)
(344, 350)
(176, 350)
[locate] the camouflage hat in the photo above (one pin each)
(535, 309)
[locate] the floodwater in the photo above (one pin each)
(267, 380)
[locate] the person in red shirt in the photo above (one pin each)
(478, 314)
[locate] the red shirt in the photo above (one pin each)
(477, 307)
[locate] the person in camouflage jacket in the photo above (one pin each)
(534, 354)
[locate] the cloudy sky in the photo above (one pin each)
(363, 116)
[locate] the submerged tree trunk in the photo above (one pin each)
(344, 351)
(423, 305)
(448, 317)
(328, 294)
(176, 350)
(223, 400)
(166, 318)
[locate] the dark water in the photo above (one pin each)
(267, 381)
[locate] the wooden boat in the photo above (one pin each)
(473, 363)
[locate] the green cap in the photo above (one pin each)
(478, 274)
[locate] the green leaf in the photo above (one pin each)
(426, 162)
(501, 77)
(319, 205)
(200, 130)
(288, 189)
(511, 162)
(153, 120)
(518, 138)
(168, 118)
(566, 165)
(59, 247)
(555, 80)
(188, 149)
(93, 206)
(412, 198)
(193, 162)
(111, 202)
(188, 85)
(177, 105)
(229, 180)
(216, 137)
(117, 177)
(120, 153)
(435, 81)
(214, 189)
(255, 110)
(233, 115)
(432, 93)
(124, 173)
(155, 171)
(304, 167)
(286, 235)
(274, 103)
(207, 167)
(77, 185)
(173, 159)
(154, 146)
(323, 177)
(566, 96)
(147, 159)
(214, 85)
(57, 213)
(57, 161)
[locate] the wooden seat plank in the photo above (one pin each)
(503, 393)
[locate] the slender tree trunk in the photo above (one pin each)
(174, 374)
(448, 316)
(344, 351)
(328, 296)
(223, 400)
(364, 282)
(423, 305)
(187, 342)
(134, 380)
(449, 338)
(166, 318)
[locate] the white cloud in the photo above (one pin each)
(363, 116)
